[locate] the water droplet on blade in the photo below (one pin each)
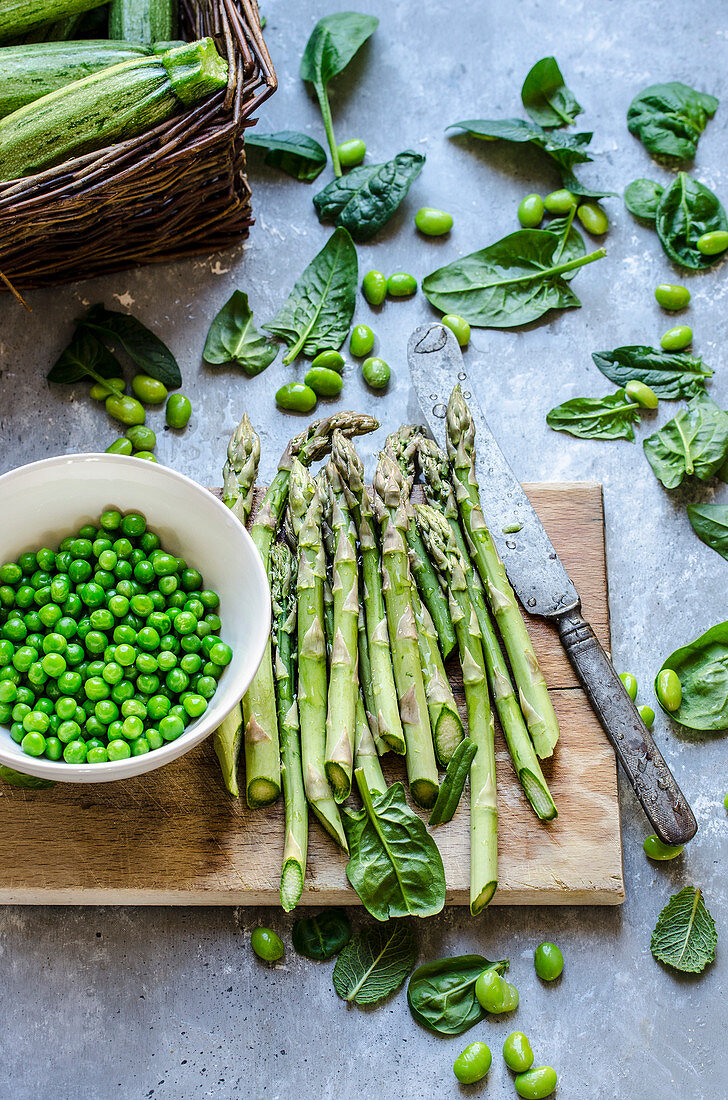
(531, 602)
(462, 376)
(439, 411)
(510, 545)
(433, 397)
(466, 394)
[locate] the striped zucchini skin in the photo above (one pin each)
(19, 16)
(143, 20)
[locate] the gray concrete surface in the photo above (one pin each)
(170, 1003)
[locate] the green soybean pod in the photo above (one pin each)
(142, 437)
(491, 991)
(332, 360)
(296, 397)
(433, 222)
(593, 218)
(120, 447)
(647, 715)
(375, 372)
(530, 211)
(351, 152)
(678, 338)
(459, 326)
(641, 394)
(713, 243)
(560, 202)
(655, 848)
(668, 690)
(178, 411)
(361, 341)
(148, 389)
(630, 684)
(517, 1053)
(125, 409)
(548, 961)
(473, 1063)
(324, 382)
(267, 944)
(401, 285)
(99, 392)
(374, 287)
(536, 1083)
(672, 296)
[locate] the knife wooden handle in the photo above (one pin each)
(662, 800)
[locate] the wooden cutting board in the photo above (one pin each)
(174, 837)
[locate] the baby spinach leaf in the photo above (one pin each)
(571, 242)
(365, 199)
(545, 96)
(685, 937)
(147, 350)
(671, 374)
(566, 149)
(441, 994)
(85, 357)
(298, 155)
(319, 310)
(323, 935)
(642, 197)
(693, 442)
(233, 338)
(609, 417)
(511, 282)
(710, 524)
(452, 786)
(375, 963)
(669, 119)
(395, 865)
(686, 210)
(20, 779)
(583, 190)
(702, 668)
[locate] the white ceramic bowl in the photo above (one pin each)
(42, 503)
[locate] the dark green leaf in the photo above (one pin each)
(566, 149)
(583, 190)
(685, 937)
(319, 310)
(669, 119)
(545, 95)
(710, 524)
(323, 936)
(20, 779)
(333, 42)
(642, 198)
(609, 417)
(375, 963)
(297, 155)
(671, 374)
(394, 865)
(441, 994)
(452, 786)
(147, 350)
(702, 668)
(84, 355)
(695, 442)
(686, 210)
(233, 338)
(571, 242)
(365, 199)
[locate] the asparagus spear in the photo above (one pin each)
(366, 757)
(394, 512)
(283, 597)
(447, 728)
(435, 467)
(533, 693)
(450, 565)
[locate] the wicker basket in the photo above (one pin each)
(176, 191)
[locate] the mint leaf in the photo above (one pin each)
(685, 936)
(375, 962)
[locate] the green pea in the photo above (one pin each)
(668, 690)
(548, 961)
(713, 243)
(332, 360)
(672, 296)
(459, 326)
(375, 372)
(472, 1064)
(351, 152)
(537, 1083)
(267, 944)
(593, 218)
(148, 389)
(656, 849)
(142, 438)
(324, 382)
(53, 748)
(100, 392)
(178, 410)
(491, 991)
(75, 752)
(120, 447)
(517, 1053)
(126, 410)
(34, 743)
(647, 715)
(296, 397)
(361, 341)
(530, 211)
(145, 455)
(675, 339)
(641, 394)
(401, 285)
(433, 222)
(118, 750)
(97, 754)
(560, 202)
(374, 287)
(630, 684)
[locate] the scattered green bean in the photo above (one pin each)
(127, 410)
(296, 397)
(178, 410)
(120, 447)
(361, 341)
(375, 372)
(654, 848)
(672, 296)
(713, 243)
(641, 394)
(630, 684)
(432, 222)
(472, 1064)
(678, 338)
(148, 455)
(647, 715)
(510, 1001)
(267, 944)
(530, 211)
(537, 1083)
(548, 961)
(459, 326)
(148, 389)
(593, 218)
(669, 690)
(332, 360)
(517, 1052)
(560, 202)
(401, 285)
(374, 287)
(351, 152)
(491, 991)
(324, 382)
(142, 437)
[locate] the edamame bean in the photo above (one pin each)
(433, 222)
(374, 287)
(100, 392)
(517, 1053)
(178, 410)
(332, 360)
(630, 684)
(125, 409)
(654, 848)
(560, 202)
(147, 455)
(351, 152)
(149, 390)
(530, 211)
(296, 397)
(537, 1083)
(491, 991)
(548, 961)
(725, 802)
(267, 944)
(459, 326)
(668, 690)
(401, 285)
(641, 394)
(375, 372)
(713, 243)
(647, 715)
(675, 339)
(672, 296)
(120, 447)
(593, 218)
(142, 438)
(324, 382)
(361, 341)
(472, 1064)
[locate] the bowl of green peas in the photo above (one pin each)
(134, 611)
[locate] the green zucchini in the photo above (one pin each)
(19, 16)
(143, 20)
(108, 107)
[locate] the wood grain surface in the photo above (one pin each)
(174, 837)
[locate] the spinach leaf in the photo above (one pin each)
(710, 524)
(511, 282)
(233, 338)
(333, 42)
(686, 210)
(322, 936)
(140, 344)
(441, 994)
(545, 96)
(669, 119)
(20, 779)
(671, 374)
(297, 155)
(693, 442)
(85, 357)
(571, 242)
(452, 786)
(375, 963)
(566, 149)
(702, 668)
(318, 312)
(609, 417)
(365, 199)
(642, 197)
(685, 937)
(583, 190)
(395, 865)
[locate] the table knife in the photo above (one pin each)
(543, 585)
